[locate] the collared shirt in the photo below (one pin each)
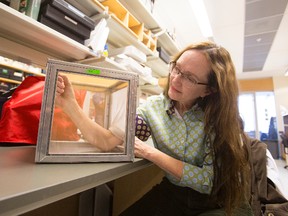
(180, 137)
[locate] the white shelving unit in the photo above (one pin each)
(5, 65)
(26, 39)
(158, 65)
(120, 36)
(103, 62)
(10, 81)
(152, 91)
(165, 39)
(138, 9)
(24, 71)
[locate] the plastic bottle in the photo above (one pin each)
(105, 51)
(33, 9)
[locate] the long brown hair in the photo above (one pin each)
(231, 167)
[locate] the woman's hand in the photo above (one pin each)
(64, 93)
(141, 149)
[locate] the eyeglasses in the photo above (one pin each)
(187, 79)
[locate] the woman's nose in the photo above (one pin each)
(177, 79)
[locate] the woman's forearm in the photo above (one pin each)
(92, 132)
(164, 161)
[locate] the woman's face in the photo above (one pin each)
(191, 66)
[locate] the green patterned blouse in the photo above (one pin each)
(180, 137)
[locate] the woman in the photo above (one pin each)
(196, 132)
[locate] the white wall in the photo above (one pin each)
(281, 99)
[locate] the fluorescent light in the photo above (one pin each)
(201, 15)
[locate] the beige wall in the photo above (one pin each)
(265, 84)
(281, 99)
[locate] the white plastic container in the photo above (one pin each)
(33, 9)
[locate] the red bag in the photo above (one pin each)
(20, 114)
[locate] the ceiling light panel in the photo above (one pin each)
(262, 20)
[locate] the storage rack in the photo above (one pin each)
(24, 39)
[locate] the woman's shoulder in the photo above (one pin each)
(157, 100)
(153, 104)
(154, 101)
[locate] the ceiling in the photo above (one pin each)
(255, 32)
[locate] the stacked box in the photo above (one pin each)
(163, 55)
(66, 19)
(4, 73)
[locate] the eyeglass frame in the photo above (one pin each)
(193, 81)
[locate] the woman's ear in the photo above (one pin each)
(207, 92)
